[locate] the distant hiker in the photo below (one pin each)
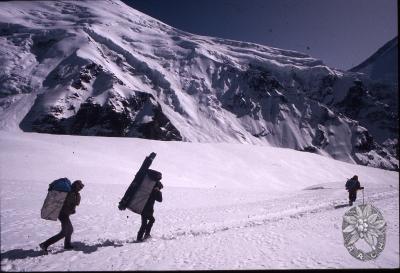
(353, 185)
(148, 210)
(71, 201)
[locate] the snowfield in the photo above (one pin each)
(226, 206)
(237, 205)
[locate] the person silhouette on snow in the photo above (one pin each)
(148, 210)
(72, 200)
(352, 186)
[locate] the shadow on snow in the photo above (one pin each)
(17, 254)
(81, 246)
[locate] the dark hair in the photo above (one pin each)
(159, 185)
(78, 185)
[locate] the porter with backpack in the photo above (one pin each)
(61, 201)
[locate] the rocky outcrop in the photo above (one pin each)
(137, 116)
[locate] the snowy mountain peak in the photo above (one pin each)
(382, 66)
(103, 68)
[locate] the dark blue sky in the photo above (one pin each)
(342, 33)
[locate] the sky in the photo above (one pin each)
(342, 33)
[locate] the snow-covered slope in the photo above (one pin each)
(381, 72)
(225, 206)
(106, 69)
(382, 66)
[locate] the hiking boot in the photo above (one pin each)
(68, 247)
(146, 236)
(43, 247)
(350, 203)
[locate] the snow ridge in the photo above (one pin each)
(382, 65)
(106, 69)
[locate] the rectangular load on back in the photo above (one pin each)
(135, 186)
(54, 201)
(53, 204)
(141, 195)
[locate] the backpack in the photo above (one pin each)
(54, 201)
(352, 184)
(61, 184)
(348, 184)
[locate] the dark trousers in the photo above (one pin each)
(147, 224)
(352, 196)
(66, 232)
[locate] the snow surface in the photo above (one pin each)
(210, 89)
(226, 206)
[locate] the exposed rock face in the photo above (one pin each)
(138, 116)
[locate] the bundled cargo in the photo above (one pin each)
(141, 187)
(142, 194)
(54, 201)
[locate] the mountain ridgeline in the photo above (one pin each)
(105, 69)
